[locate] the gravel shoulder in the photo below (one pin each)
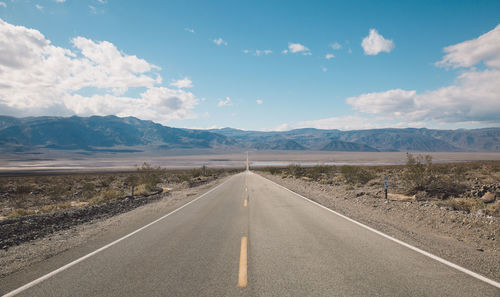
(469, 240)
(22, 263)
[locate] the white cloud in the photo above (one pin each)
(473, 99)
(100, 1)
(39, 7)
(182, 83)
(190, 30)
(93, 9)
(38, 78)
(485, 48)
(297, 48)
(324, 69)
(258, 52)
(475, 95)
(60, 1)
(226, 102)
(259, 101)
(375, 43)
(3, 4)
(329, 56)
(220, 41)
(335, 46)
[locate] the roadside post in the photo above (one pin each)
(133, 190)
(386, 186)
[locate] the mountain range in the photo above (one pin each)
(111, 133)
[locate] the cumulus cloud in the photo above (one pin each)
(473, 99)
(295, 48)
(92, 78)
(485, 48)
(226, 102)
(259, 101)
(335, 46)
(329, 56)
(375, 43)
(220, 41)
(182, 83)
(475, 95)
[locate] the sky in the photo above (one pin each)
(255, 65)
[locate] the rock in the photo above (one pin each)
(488, 197)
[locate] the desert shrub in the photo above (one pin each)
(58, 191)
(106, 196)
(321, 171)
(463, 204)
(443, 187)
(355, 174)
(55, 207)
(19, 212)
(106, 181)
(24, 189)
(88, 190)
(149, 175)
(295, 170)
(493, 209)
(418, 173)
(274, 170)
(441, 181)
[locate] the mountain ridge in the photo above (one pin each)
(108, 132)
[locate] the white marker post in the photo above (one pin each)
(386, 186)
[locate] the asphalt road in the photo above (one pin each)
(250, 237)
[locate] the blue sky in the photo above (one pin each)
(282, 64)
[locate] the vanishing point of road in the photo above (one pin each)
(250, 237)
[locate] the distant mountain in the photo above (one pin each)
(344, 146)
(387, 140)
(111, 133)
(100, 132)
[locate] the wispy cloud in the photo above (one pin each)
(329, 56)
(220, 41)
(258, 52)
(190, 30)
(226, 102)
(335, 46)
(259, 101)
(39, 7)
(374, 43)
(324, 69)
(3, 4)
(182, 83)
(295, 48)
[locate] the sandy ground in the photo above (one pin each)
(469, 240)
(92, 235)
(70, 161)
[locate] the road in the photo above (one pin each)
(251, 237)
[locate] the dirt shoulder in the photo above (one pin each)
(63, 246)
(467, 239)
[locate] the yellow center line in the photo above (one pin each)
(245, 203)
(242, 273)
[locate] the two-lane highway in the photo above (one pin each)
(251, 237)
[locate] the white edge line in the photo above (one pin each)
(50, 274)
(439, 259)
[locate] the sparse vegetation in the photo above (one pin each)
(25, 195)
(455, 186)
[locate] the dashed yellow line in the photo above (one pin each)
(242, 273)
